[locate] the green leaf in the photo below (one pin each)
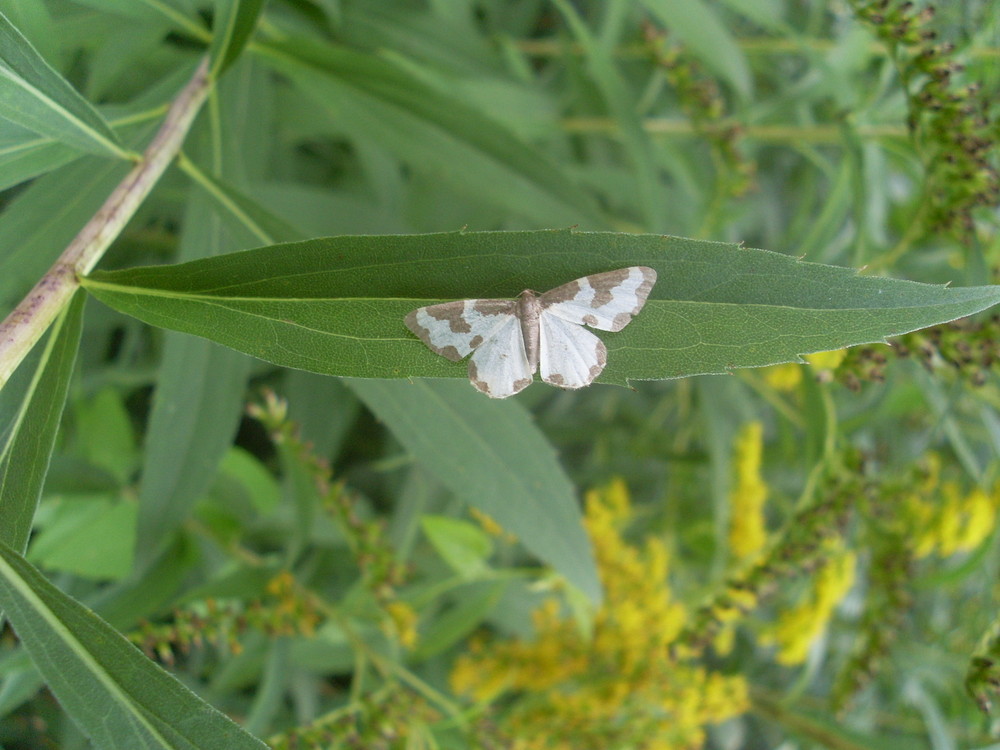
(234, 23)
(336, 305)
(828, 731)
(30, 408)
(34, 20)
(117, 696)
(247, 221)
(491, 455)
(66, 540)
(181, 14)
(38, 98)
(377, 100)
(104, 434)
(197, 408)
(241, 473)
(473, 604)
(464, 546)
(622, 106)
(200, 387)
(25, 154)
(699, 28)
(45, 217)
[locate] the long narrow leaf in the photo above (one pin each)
(376, 99)
(200, 386)
(24, 154)
(234, 23)
(491, 455)
(37, 97)
(33, 411)
(336, 305)
(118, 697)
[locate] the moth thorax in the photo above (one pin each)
(528, 310)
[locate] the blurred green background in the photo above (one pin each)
(800, 556)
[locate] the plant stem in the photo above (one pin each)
(769, 133)
(31, 318)
(751, 45)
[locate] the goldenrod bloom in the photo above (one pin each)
(620, 688)
(747, 524)
(799, 627)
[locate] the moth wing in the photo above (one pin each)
(569, 355)
(605, 301)
(455, 329)
(499, 367)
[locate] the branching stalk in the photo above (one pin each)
(31, 318)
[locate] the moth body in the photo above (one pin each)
(529, 311)
(511, 340)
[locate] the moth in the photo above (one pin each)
(510, 340)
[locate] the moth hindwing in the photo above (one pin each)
(510, 340)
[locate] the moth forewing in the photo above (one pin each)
(455, 329)
(605, 301)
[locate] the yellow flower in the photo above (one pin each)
(403, 623)
(826, 360)
(799, 627)
(945, 522)
(747, 524)
(980, 513)
(620, 688)
(724, 640)
(783, 377)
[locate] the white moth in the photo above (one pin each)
(511, 339)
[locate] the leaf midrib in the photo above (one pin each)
(220, 300)
(67, 637)
(50, 103)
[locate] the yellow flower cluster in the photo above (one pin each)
(747, 526)
(788, 376)
(619, 688)
(944, 519)
(402, 623)
(799, 627)
(293, 612)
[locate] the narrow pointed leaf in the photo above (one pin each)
(493, 456)
(117, 696)
(31, 405)
(200, 387)
(246, 220)
(336, 305)
(37, 97)
(25, 154)
(177, 11)
(376, 99)
(234, 23)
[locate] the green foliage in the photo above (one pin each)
(38, 98)
(129, 701)
(335, 305)
(755, 551)
(30, 412)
